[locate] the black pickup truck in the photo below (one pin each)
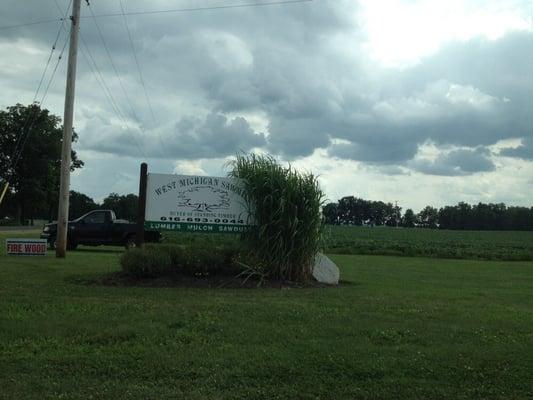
(100, 227)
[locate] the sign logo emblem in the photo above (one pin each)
(204, 199)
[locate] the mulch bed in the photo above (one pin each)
(209, 282)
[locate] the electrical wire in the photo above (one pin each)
(55, 69)
(141, 79)
(19, 139)
(192, 9)
(115, 70)
(107, 92)
(98, 76)
(17, 153)
(123, 14)
(177, 10)
(100, 79)
(137, 62)
(42, 21)
(43, 98)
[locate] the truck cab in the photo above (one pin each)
(95, 226)
(99, 227)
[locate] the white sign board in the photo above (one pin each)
(26, 247)
(195, 203)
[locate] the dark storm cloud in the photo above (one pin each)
(456, 163)
(524, 151)
(192, 138)
(381, 153)
(470, 94)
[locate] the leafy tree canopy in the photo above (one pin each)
(30, 158)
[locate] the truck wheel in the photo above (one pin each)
(70, 245)
(130, 242)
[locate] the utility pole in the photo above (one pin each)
(64, 188)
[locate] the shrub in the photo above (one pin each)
(157, 260)
(285, 204)
(145, 263)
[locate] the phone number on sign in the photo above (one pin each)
(203, 220)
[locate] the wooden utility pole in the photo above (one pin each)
(4, 192)
(64, 188)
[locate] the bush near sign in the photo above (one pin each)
(26, 247)
(192, 203)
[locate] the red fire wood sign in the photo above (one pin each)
(26, 247)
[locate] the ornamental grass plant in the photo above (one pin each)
(285, 206)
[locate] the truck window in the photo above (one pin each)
(95, 218)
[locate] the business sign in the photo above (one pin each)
(195, 203)
(26, 247)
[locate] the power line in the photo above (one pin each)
(55, 69)
(115, 70)
(61, 26)
(137, 61)
(141, 75)
(128, 100)
(17, 144)
(98, 76)
(42, 21)
(192, 9)
(50, 80)
(177, 10)
(18, 152)
(107, 92)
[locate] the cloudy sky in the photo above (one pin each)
(420, 102)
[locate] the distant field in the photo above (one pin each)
(398, 328)
(416, 242)
(411, 242)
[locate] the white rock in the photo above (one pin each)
(325, 270)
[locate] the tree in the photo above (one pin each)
(124, 206)
(330, 212)
(80, 204)
(428, 217)
(409, 219)
(30, 158)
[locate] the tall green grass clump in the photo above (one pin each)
(285, 205)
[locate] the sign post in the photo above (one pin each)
(139, 239)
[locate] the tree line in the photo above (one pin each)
(351, 210)
(124, 206)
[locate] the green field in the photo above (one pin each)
(417, 242)
(397, 328)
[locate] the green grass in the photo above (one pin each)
(399, 328)
(486, 245)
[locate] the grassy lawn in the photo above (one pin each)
(398, 328)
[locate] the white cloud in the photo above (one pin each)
(400, 33)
